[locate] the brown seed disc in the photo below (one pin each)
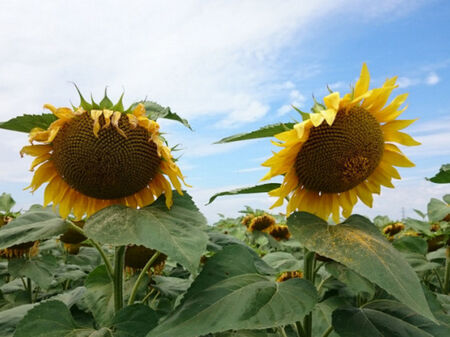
(136, 257)
(108, 167)
(339, 157)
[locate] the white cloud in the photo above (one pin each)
(245, 113)
(295, 99)
(432, 79)
(338, 85)
(404, 82)
(251, 169)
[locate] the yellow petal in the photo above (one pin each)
(329, 115)
(64, 113)
(332, 101)
(95, 115)
(335, 207)
(362, 85)
(40, 160)
(316, 119)
(50, 107)
(398, 124)
(107, 115)
(364, 194)
(36, 150)
(115, 123)
(400, 137)
(396, 159)
(139, 111)
(43, 174)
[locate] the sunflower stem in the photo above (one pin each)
(105, 259)
(148, 295)
(328, 331)
(30, 290)
(447, 271)
(118, 277)
(308, 266)
(141, 277)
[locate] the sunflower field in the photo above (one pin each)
(118, 247)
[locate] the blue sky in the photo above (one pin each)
(229, 67)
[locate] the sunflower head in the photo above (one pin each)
(136, 257)
(97, 155)
(262, 223)
(247, 219)
(342, 151)
(287, 275)
(280, 232)
(393, 228)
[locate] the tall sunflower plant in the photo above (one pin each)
(344, 151)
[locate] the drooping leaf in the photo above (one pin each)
(411, 244)
(263, 132)
(385, 318)
(26, 123)
(437, 210)
(263, 188)
(218, 240)
(41, 270)
(176, 232)
(155, 111)
(283, 261)
(359, 245)
(53, 319)
(355, 282)
(232, 292)
(171, 286)
(134, 321)
(419, 226)
(6, 202)
(443, 176)
(99, 296)
(36, 224)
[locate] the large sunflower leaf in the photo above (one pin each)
(26, 123)
(134, 321)
(36, 224)
(176, 232)
(53, 319)
(233, 291)
(385, 318)
(6, 202)
(443, 176)
(264, 188)
(283, 261)
(11, 317)
(41, 270)
(155, 111)
(358, 244)
(437, 210)
(263, 132)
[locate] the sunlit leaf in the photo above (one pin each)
(263, 132)
(263, 188)
(26, 123)
(359, 245)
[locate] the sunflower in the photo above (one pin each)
(72, 239)
(136, 257)
(280, 232)
(342, 151)
(26, 249)
(263, 223)
(287, 275)
(98, 155)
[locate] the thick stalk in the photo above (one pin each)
(308, 270)
(300, 329)
(282, 331)
(447, 271)
(30, 289)
(141, 277)
(105, 259)
(118, 277)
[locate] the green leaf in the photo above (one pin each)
(419, 226)
(176, 232)
(99, 296)
(11, 317)
(36, 224)
(134, 321)
(155, 111)
(358, 244)
(171, 286)
(264, 188)
(385, 318)
(282, 261)
(355, 282)
(40, 270)
(443, 176)
(232, 292)
(446, 198)
(437, 210)
(263, 132)
(411, 244)
(53, 319)
(245, 333)
(6, 202)
(26, 123)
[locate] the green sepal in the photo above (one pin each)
(83, 103)
(94, 105)
(305, 115)
(106, 103)
(119, 104)
(317, 107)
(329, 89)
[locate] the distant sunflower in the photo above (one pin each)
(341, 152)
(262, 223)
(93, 158)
